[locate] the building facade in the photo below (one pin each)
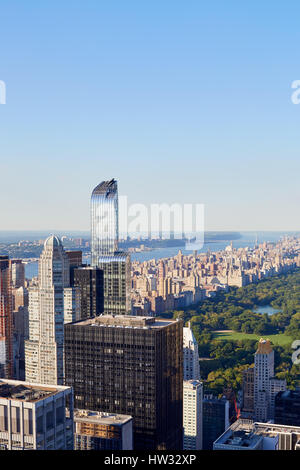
(130, 365)
(243, 434)
(20, 330)
(104, 220)
(104, 249)
(6, 319)
(116, 279)
(94, 430)
(89, 280)
(192, 414)
(17, 273)
(287, 407)
(265, 385)
(191, 367)
(248, 393)
(44, 359)
(35, 416)
(215, 419)
(72, 304)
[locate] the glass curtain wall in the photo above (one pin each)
(104, 220)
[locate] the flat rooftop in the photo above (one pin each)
(126, 321)
(25, 391)
(243, 439)
(99, 417)
(274, 429)
(192, 384)
(247, 434)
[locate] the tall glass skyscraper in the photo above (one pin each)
(104, 220)
(104, 248)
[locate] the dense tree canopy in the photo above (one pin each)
(222, 362)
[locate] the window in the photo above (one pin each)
(3, 418)
(28, 421)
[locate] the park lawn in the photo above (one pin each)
(277, 340)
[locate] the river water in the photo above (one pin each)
(247, 239)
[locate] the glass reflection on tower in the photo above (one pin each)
(104, 220)
(105, 255)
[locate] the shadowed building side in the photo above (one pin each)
(130, 365)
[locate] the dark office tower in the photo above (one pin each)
(90, 282)
(287, 407)
(248, 393)
(75, 258)
(104, 248)
(17, 273)
(215, 419)
(130, 365)
(116, 278)
(6, 320)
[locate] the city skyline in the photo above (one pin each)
(165, 97)
(149, 238)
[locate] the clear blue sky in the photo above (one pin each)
(181, 101)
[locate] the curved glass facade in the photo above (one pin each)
(104, 220)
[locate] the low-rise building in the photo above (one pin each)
(246, 435)
(35, 416)
(95, 430)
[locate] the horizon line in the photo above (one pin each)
(205, 231)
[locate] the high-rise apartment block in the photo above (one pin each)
(104, 249)
(116, 279)
(265, 385)
(75, 258)
(94, 430)
(20, 330)
(191, 367)
(49, 302)
(192, 392)
(192, 414)
(130, 365)
(215, 419)
(6, 319)
(276, 386)
(248, 393)
(89, 280)
(72, 303)
(20, 298)
(35, 416)
(287, 407)
(17, 273)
